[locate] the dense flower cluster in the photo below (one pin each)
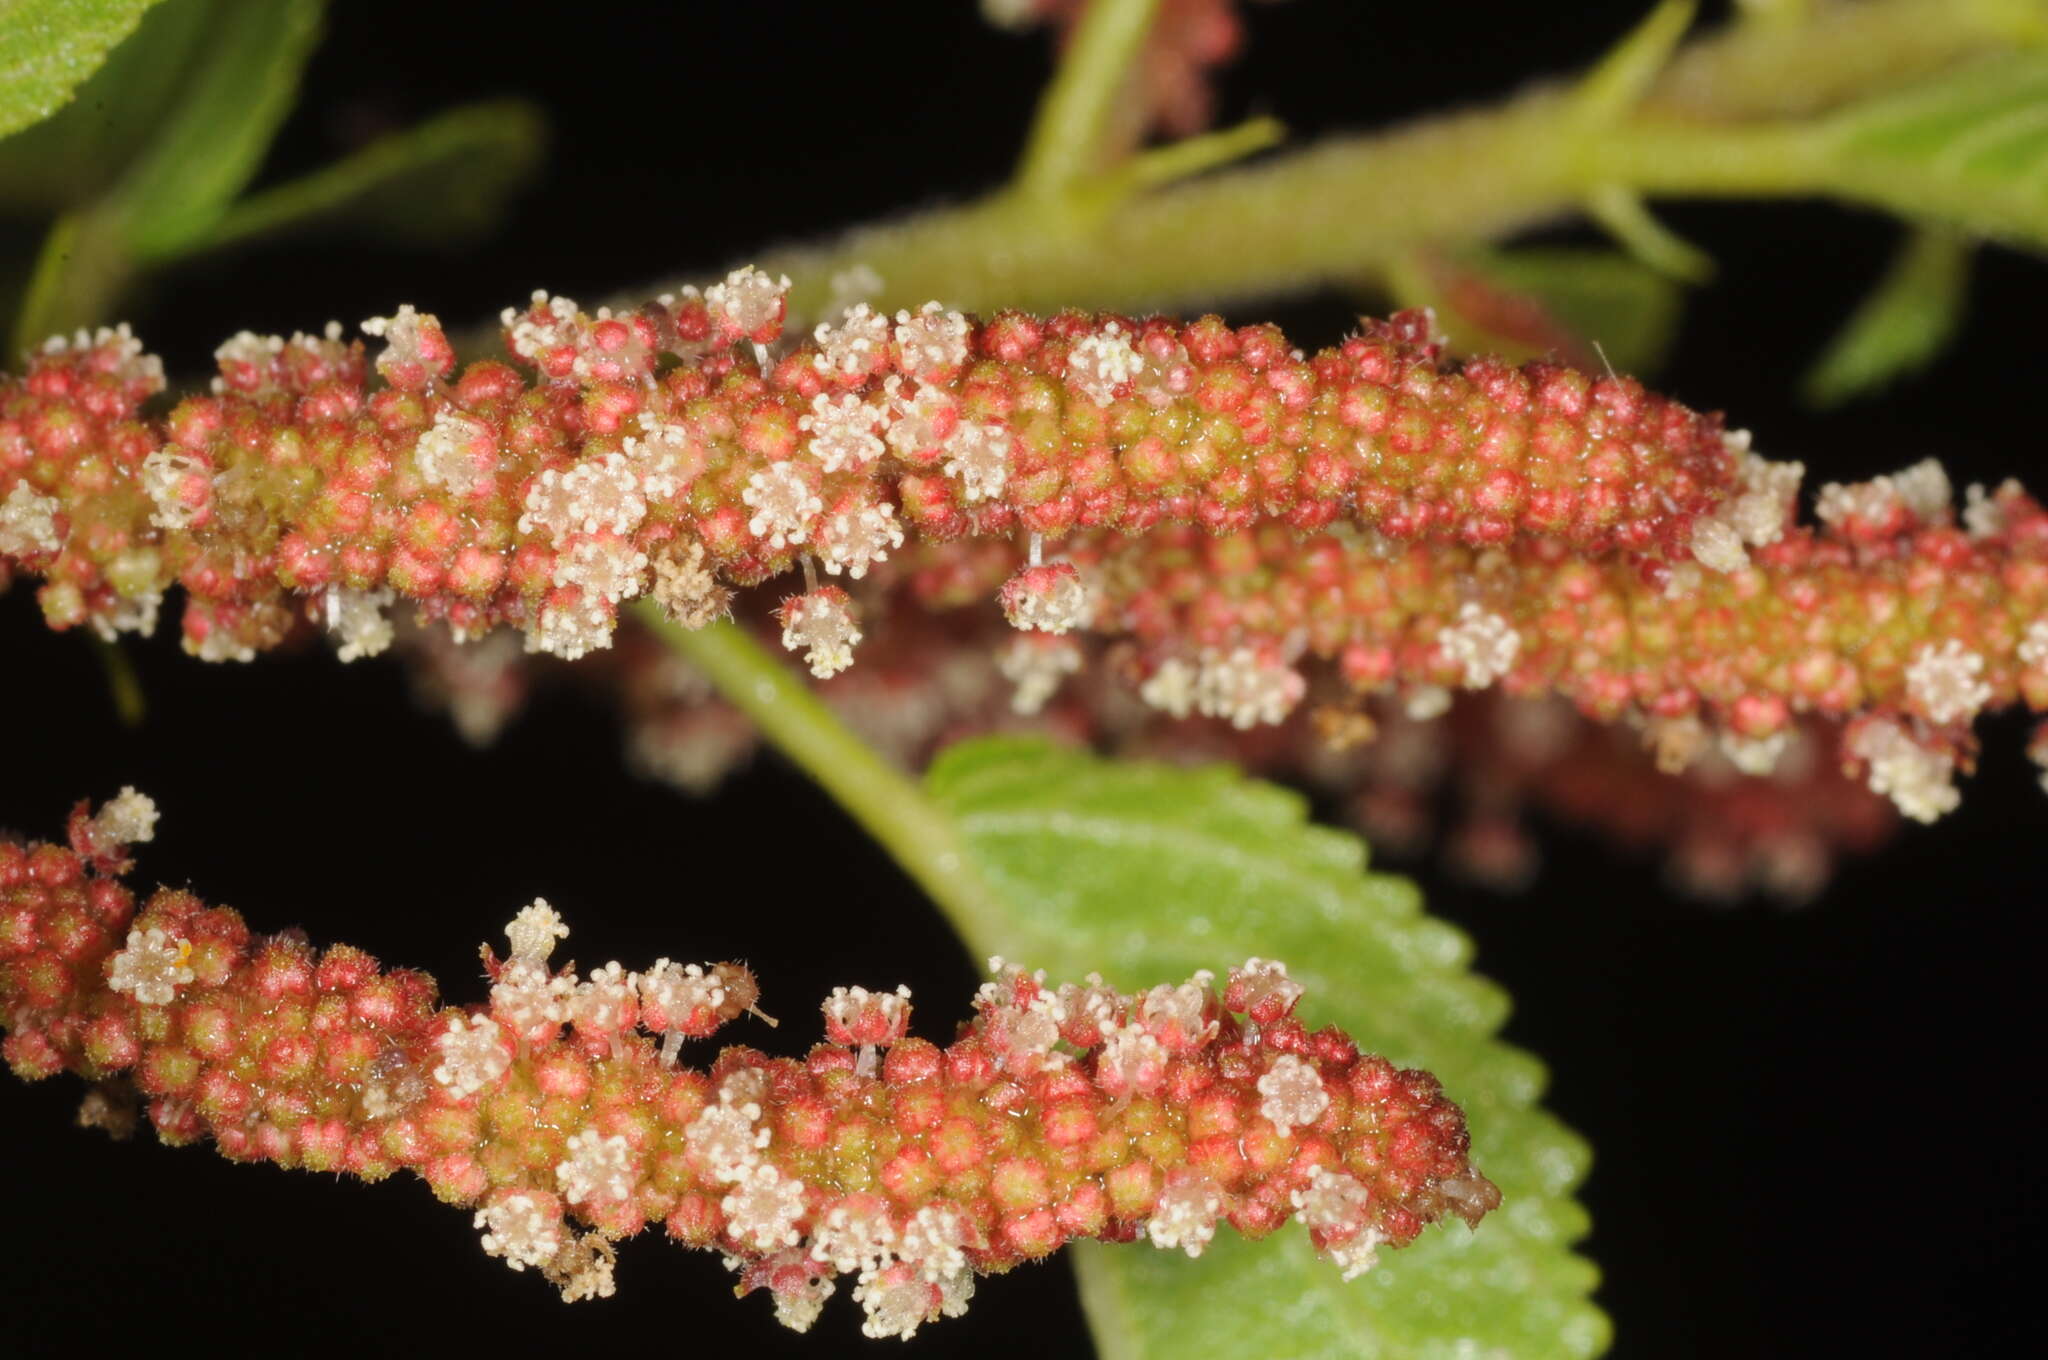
(489, 499)
(554, 1115)
(1255, 528)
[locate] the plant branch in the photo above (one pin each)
(1725, 119)
(886, 803)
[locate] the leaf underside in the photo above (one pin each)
(1147, 872)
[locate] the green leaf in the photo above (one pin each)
(1146, 872)
(48, 48)
(444, 179)
(221, 128)
(1968, 148)
(81, 151)
(1906, 321)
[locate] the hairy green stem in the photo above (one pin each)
(886, 803)
(1731, 116)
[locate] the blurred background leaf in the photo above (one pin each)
(81, 151)
(149, 166)
(448, 177)
(206, 151)
(48, 48)
(1968, 148)
(1572, 303)
(1903, 325)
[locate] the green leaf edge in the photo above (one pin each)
(1420, 1302)
(48, 48)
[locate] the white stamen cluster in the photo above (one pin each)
(357, 620)
(896, 1302)
(858, 345)
(529, 1000)
(547, 325)
(1926, 490)
(597, 1168)
(657, 456)
(597, 495)
(1089, 1009)
(1185, 1216)
(472, 1055)
(1262, 990)
(1048, 603)
(400, 333)
(979, 455)
(152, 968)
(931, 341)
(855, 1235)
(676, 989)
(571, 630)
(1921, 492)
(1099, 364)
(1338, 1206)
(1944, 682)
(747, 300)
(1179, 1016)
(603, 566)
(1920, 782)
(1247, 687)
(1984, 516)
(1482, 644)
(726, 1136)
(603, 1002)
(168, 475)
(128, 614)
(784, 502)
(1755, 516)
(842, 430)
(869, 1017)
(128, 818)
(583, 1268)
(1425, 703)
(130, 364)
(762, 1209)
(852, 540)
(28, 523)
(250, 359)
(1130, 1060)
(798, 1306)
(1293, 1093)
(520, 1229)
(934, 1241)
(2033, 648)
(1036, 664)
(919, 418)
(821, 625)
(1020, 1023)
(1172, 688)
(534, 930)
(687, 589)
(1754, 756)
(445, 453)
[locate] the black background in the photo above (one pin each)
(1812, 1128)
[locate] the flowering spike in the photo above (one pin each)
(1057, 1113)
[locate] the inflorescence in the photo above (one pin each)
(1255, 526)
(559, 1114)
